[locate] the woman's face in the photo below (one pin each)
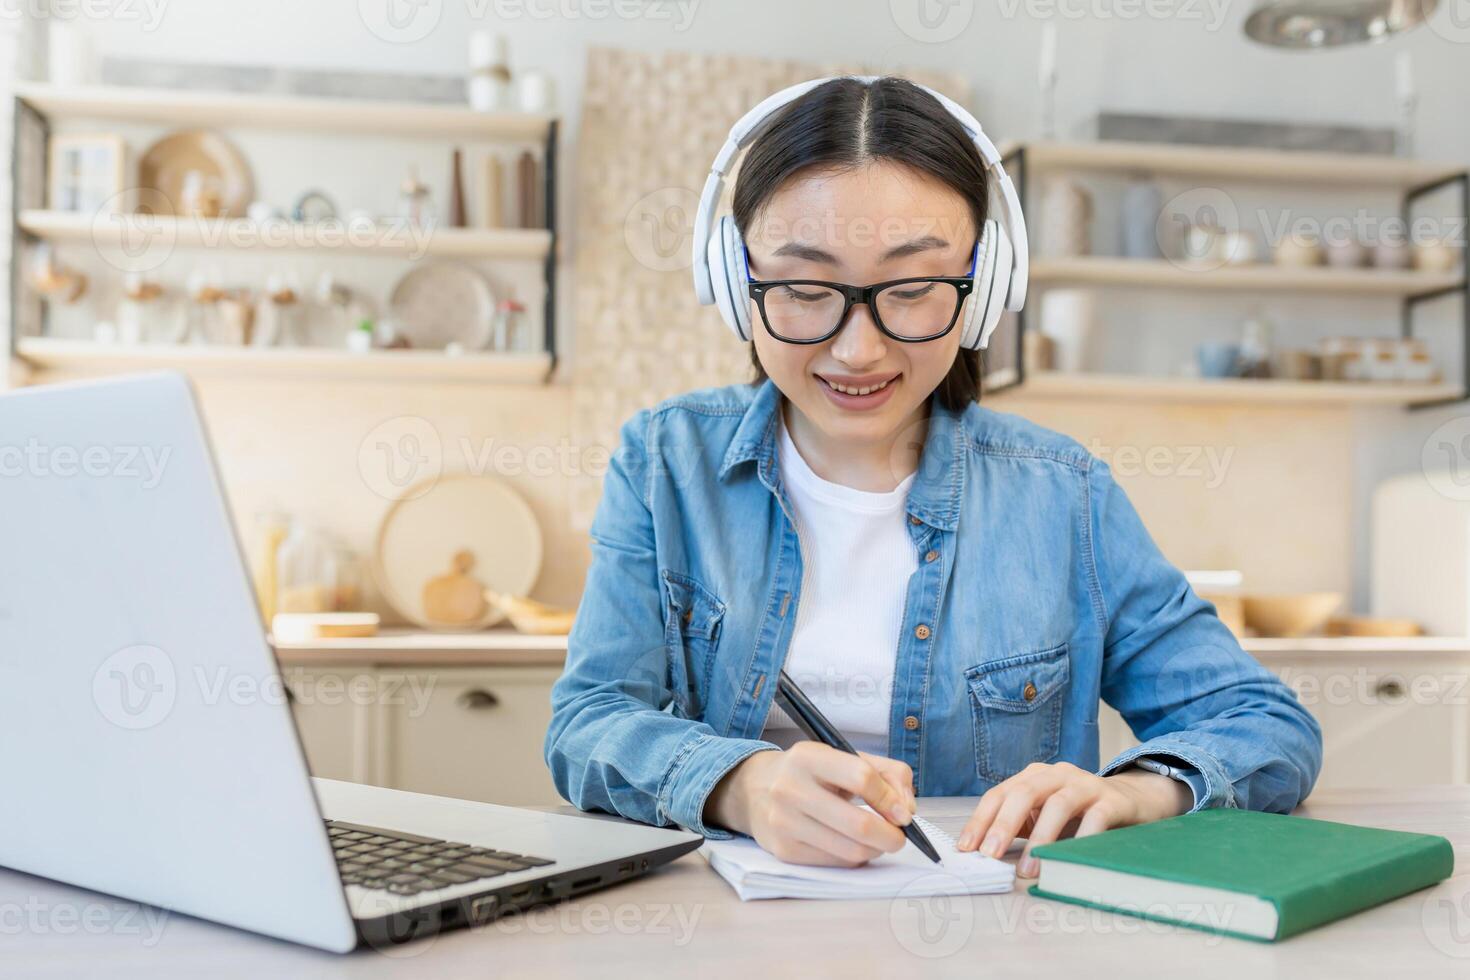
(878, 222)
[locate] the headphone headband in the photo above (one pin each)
(747, 128)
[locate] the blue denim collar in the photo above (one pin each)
(934, 497)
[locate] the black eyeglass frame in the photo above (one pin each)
(852, 295)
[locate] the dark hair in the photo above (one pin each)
(844, 124)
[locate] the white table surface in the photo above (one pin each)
(686, 921)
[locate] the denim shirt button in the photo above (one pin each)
(922, 631)
(911, 723)
(914, 520)
(931, 555)
(1029, 691)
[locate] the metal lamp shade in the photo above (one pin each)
(1307, 24)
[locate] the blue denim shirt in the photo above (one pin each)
(1045, 594)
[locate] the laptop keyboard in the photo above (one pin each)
(406, 864)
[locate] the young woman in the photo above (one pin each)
(955, 588)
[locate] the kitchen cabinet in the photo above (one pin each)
(474, 734)
(436, 718)
(1393, 712)
(465, 716)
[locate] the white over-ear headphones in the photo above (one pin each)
(1000, 262)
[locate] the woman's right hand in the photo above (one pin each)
(798, 805)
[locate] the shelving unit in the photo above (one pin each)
(1143, 388)
(90, 357)
(37, 106)
(1163, 274)
(242, 233)
(173, 107)
(1413, 179)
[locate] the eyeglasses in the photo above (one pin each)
(809, 311)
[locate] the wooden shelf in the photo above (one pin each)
(1247, 164)
(160, 232)
(1163, 274)
(171, 107)
(88, 357)
(1144, 388)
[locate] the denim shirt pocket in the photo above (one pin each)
(1016, 705)
(692, 618)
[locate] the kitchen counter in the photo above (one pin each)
(506, 647)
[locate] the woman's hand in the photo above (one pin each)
(797, 804)
(1046, 802)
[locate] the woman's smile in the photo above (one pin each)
(859, 394)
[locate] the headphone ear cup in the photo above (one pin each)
(1000, 286)
(737, 273)
(981, 287)
(726, 265)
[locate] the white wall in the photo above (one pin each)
(1195, 60)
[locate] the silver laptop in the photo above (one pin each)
(144, 756)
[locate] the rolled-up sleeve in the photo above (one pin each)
(614, 743)
(1182, 681)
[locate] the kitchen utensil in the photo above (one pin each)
(1217, 360)
(1068, 317)
(535, 91)
(415, 205)
(1346, 253)
(307, 627)
(1298, 365)
(1236, 247)
(530, 616)
(313, 206)
(492, 193)
(1392, 251)
(1255, 348)
(433, 521)
(1066, 218)
(457, 597)
(488, 85)
(1142, 201)
(1372, 626)
(166, 165)
(440, 303)
(1298, 251)
(527, 192)
(1435, 256)
(1291, 614)
(456, 191)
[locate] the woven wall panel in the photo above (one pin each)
(651, 125)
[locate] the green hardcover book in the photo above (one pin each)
(1242, 873)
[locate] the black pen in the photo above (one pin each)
(817, 727)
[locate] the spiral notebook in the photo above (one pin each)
(755, 873)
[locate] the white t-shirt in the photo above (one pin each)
(857, 557)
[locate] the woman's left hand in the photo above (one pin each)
(1045, 802)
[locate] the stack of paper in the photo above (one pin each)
(756, 873)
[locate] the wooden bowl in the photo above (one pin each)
(1289, 615)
